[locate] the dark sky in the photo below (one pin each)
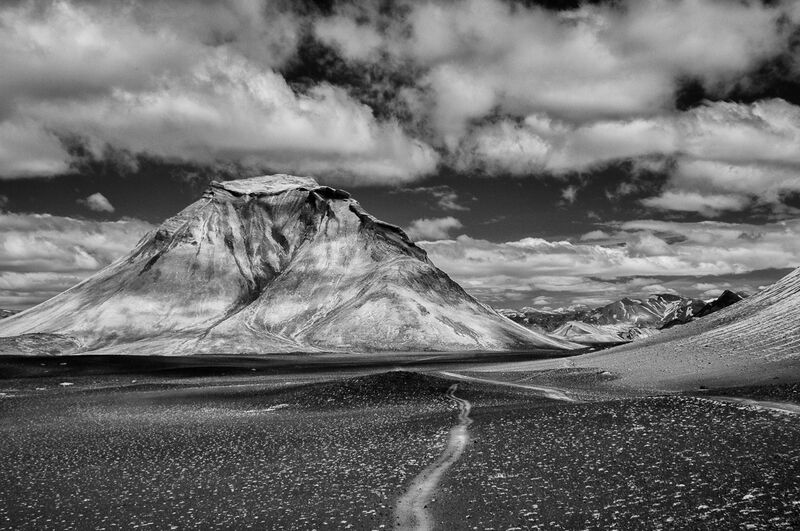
(547, 153)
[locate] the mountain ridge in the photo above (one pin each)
(622, 321)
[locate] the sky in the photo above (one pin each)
(544, 153)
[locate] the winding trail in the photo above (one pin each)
(547, 392)
(411, 512)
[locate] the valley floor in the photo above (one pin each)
(166, 449)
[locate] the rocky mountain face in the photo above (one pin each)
(652, 312)
(621, 321)
(723, 301)
(270, 264)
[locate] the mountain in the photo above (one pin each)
(616, 323)
(269, 264)
(755, 341)
(547, 321)
(652, 312)
(723, 301)
(601, 335)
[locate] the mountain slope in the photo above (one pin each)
(757, 340)
(272, 264)
(601, 335)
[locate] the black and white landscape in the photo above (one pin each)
(447, 264)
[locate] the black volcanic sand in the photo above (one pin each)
(281, 454)
(335, 452)
(115, 367)
(642, 463)
(778, 393)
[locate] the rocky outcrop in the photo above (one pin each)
(273, 264)
(723, 301)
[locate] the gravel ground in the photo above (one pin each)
(318, 452)
(644, 463)
(270, 457)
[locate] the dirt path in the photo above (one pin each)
(547, 392)
(781, 407)
(411, 512)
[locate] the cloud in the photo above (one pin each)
(432, 228)
(592, 62)
(540, 144)
(625, 259)
(228, 110)
(569, 193)
(711, 205)
(26, 148)
(595, 235)
(182, 87)
(97, 202)
(355, 41)
(719, 156)
(22, 290)
(521, 90)
(486, 85)
(41, 255)
(446, 198)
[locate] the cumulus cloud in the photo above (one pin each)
(432, 228)
(529, 91)
(229, 110)
(181, 89)
(596, 61)
(720, 156)
(97, 202)
(355, 41)
(626, 259)
(488, 85)
(26, 148)
(540, 144)
(41, 255)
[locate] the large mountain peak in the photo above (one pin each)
(273, 264)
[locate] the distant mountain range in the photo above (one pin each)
(264, 265)
(753, 342)
(621, 321)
